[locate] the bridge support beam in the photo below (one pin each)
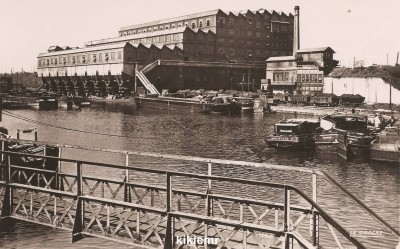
(77, 232)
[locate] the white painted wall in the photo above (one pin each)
(375, 90)
(116, 69)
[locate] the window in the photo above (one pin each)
(222, 21)
(112, 56)
(208, 23)
(148, 41)
(162, 38)
(78, 59)
(258, 34)
(100, 57)
(48, 62)
(176, 37)
(258, 25)
(83, 58)
(193, 25)
(119, 55)
(73, 59)
(249, 33)
(89, 58)
(201, 24)
(168, 38)
(106, 56)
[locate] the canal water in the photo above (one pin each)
(240, 137)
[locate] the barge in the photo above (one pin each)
(293, 133)
(171, 103)
(386, 147)
(348, 133)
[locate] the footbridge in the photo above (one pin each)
(177, 208)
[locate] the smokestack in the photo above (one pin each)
(296, 29)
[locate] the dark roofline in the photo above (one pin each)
(310, 50)
(173, 19)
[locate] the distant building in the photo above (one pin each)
(210, 50)
(302, 73)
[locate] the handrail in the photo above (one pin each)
(169, 174)
(206, 160)
(362, 205)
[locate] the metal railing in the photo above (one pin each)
(85, 211)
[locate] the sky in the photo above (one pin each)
(367, 30)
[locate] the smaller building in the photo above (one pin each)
(302, 73)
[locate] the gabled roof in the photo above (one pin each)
(281, 58)
(175, 19)
(310, 50)
(85, 49)
(137, 36)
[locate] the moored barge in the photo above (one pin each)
(293, 133)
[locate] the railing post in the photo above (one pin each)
(286, 218)
(58, 178)
(169, 240)
(314, 219)
(126, 190)
(209, 204)
(79, 178)
(8, 195)
(79, 221)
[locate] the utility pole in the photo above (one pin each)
(390, 93)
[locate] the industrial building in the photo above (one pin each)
(208, 50)
(302, 72)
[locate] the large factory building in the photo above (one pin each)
(208, 50)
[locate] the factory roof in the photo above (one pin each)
(174, 19)
(85, 49)
(203, 14)
(310, 50)
(144, 35)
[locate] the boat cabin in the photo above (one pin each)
(344, 122)
(296, 126)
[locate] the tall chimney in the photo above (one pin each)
(296, 29)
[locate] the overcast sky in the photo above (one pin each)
(365, 29)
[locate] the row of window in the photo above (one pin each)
(81, 59)
(196, 23)
(316, 78)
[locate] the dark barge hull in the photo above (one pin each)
(173, 104)
(289, 142)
